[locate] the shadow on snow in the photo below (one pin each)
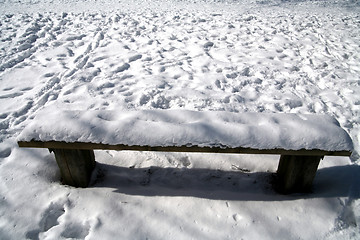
(335, 181)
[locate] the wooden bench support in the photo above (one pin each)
(296, 173)
(75, 165)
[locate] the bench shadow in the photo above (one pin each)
(218, 184)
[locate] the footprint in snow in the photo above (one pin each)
(122, 68)
(11, 95)
(4, 153)
(48, 75)
(135, 57)
(8, 89)
(76, 231)
(49, 219)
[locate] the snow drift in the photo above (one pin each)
(190, 128)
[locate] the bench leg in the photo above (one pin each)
(296, 173)
(75, 166)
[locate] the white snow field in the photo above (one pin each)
(233, 56)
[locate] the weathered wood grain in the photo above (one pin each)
(75, 166)
(296, 173)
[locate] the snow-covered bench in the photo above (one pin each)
(301, 140)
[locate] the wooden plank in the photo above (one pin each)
(181, 127)
(238, 150)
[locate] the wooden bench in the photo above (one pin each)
(300, 140)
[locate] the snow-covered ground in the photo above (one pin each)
(234, 56)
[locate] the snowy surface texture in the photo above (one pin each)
(190, 128)
(261, 56)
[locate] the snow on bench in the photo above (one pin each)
(301, 140)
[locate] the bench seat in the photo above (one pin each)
(293, 136)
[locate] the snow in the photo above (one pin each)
(233, 57)
(190, 128)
